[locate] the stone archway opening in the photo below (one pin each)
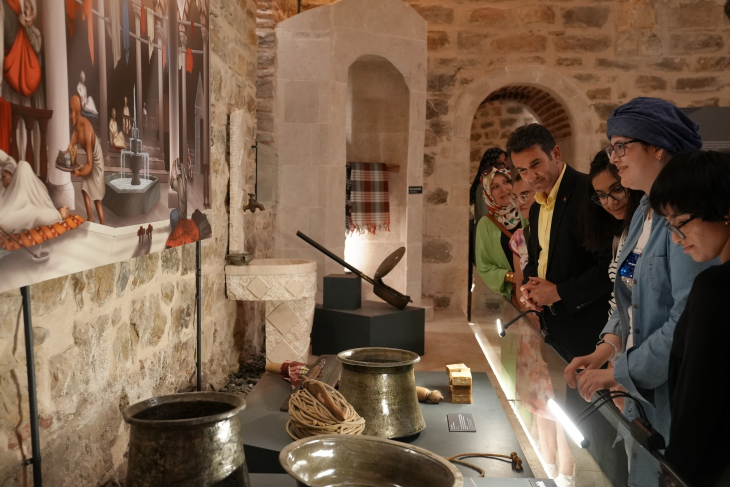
(552, 98)
(510, 107)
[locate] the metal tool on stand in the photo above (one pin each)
(382, 290)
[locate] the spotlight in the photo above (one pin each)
(500, 330)
(567, 424)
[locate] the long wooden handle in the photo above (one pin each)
(334, 257)
(320, 393)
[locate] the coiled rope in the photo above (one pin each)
(309, 417)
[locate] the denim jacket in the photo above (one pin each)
(663, 278)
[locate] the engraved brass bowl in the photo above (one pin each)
(239, 259)
(365, 461)
(381, 386)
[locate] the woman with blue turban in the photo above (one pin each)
(654, 276)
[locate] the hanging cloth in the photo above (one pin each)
(71, 8)
(125, 28)
(164, 56)
(6, 121)
(21, 68)
(369, 196)
(143, 20)
(113, 28)
(151, 31)
(189, 60)
(87, 13)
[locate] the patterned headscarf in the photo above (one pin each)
(509, 215)
(490, 157)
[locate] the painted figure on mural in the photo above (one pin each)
(116, 137)
(24, 200)
(88, 107)
(127, 122)
(92, 172)
(183, 229)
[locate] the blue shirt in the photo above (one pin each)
(662, 280)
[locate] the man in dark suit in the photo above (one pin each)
(569, 284)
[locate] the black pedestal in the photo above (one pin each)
(375, 324)
(342, 291)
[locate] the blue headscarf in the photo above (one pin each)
(656, 122)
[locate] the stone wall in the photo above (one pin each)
(590, 56)
(114, 335)
(493, 123)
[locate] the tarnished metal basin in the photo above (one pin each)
(187, 440)
(381, 386)
(365, 461)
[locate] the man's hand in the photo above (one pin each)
(526, 300)
(591, 381)
(541, 292)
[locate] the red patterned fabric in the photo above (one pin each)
(21, 69)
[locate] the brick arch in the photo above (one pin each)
(546, 108)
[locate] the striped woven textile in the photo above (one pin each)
(368, 205)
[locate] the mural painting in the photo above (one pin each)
(104, 123)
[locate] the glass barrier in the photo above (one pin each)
(530, 373)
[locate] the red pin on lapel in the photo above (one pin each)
(565, 198)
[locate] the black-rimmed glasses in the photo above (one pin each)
(676, 229)
(619, 148)
(617, 194)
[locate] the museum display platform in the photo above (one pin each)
(282, 480)
(265, 436)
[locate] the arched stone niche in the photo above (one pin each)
(315, 53)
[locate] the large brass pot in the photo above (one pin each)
(346, 460)
(187, 440)
(381, 386)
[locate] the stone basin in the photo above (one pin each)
(287, 288)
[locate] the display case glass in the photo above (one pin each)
(530, 372)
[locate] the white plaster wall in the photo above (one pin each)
(314, 53)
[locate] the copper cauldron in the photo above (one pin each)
(381, 386)
(187, 440)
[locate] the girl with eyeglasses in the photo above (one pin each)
(610, 214)
(693, 194)
(653, 279)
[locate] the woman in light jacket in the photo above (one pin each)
(654, 275)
